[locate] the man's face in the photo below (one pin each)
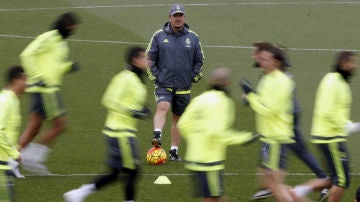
(266, 61)
(140, 61)
(177, 21)
(351, 64)
(71, 29)
(20, 83)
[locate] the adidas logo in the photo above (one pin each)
(166, 41)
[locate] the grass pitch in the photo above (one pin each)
(313, 30)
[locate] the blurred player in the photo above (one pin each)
(45, 61)
(299, 147)
(273, 120)
(10, 123)
(331, 121)
(124, 100)
(176, 58)
(206, 126)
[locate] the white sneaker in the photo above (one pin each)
(78, 195)
(34, 167)
(15, 168)
(33, 158)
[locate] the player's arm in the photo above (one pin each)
(270, 105)
(152, 53)
(198, 62)
(38, 46)
(5, 143)
(220, 121)
(29, 58)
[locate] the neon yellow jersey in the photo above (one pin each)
(206, 126)
(10, 122)
(273, 107)
(332, 109)
(125, 94)
(45, 59)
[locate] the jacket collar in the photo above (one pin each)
(167, 28)
(137, 71)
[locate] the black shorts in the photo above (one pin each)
(337, 157)
(208, 183)
(48, 105)
(122, 153)
(273, 156)
(179, 99)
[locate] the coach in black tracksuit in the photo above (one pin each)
(176, 58)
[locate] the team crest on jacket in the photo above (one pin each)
(188, 43)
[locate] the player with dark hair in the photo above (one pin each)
(299, 147)
(10, 122)
(273, 121)
(175, 58)
(124, 100)
(45, 61)
(331, 123)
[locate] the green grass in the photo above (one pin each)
(99, 45)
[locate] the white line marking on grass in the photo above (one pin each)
(205, 46)
(191, 4)
(172, 174)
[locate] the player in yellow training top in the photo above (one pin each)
(124, 100)
(206, 126)
(10, 123)
(45, 61)
(331, 121)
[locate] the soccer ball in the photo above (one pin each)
(156, 156)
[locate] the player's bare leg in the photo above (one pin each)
(175, 133)
(336, 194)
(162, 109)
(58, 126)
(32, 129)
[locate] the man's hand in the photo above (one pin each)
(142, 114)
(75, 67)
(246, 86)
(352, 127)
(197, 77)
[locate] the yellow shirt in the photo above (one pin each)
(10, 122)
(124, 95)
(274, 108)
(206, 127)
(45, 59)
(332, 109)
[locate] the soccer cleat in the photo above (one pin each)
(261, 194)
(174, 156)
(324, 195)
(34, 167)
(79, 195)
(156, 140)
(33, 158)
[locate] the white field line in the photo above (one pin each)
(176, 174)
(204, 46)
(191, 4)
